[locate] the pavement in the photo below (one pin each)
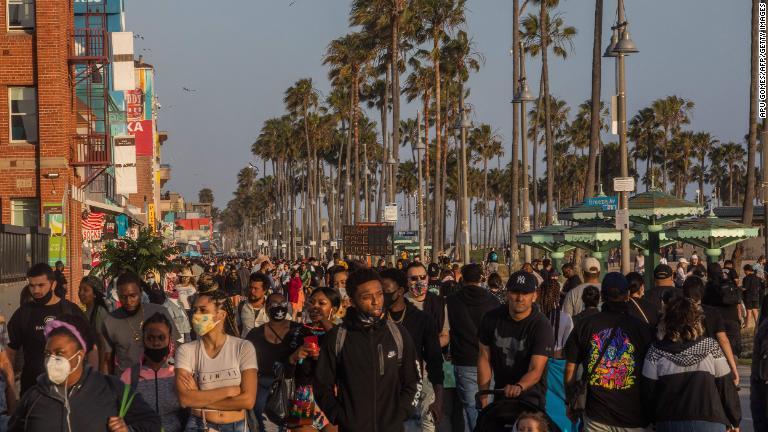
(746, 413)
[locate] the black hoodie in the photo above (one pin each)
(465, 311)
(92, 401)
(373, 391)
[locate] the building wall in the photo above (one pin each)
(144, 183)
(41, 60)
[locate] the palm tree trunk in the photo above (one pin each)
(594, 129)
(534, 168)
(700, 198)
(355, 127)
(438, 199)
(730, 185)
(544, 20)
(749, 194)
(514, 204)
(486, 234)
(426, 203)
(438, 124)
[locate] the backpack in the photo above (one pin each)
(730, 294)
(393, 329)
(493, 257)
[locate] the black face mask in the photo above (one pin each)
(44, 299)
(389, 299)
(277, 313)
(157, 354)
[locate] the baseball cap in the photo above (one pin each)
(662, 271)
(614, 285)
(591, 265)
(521, 281)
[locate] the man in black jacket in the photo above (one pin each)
(423, 331)
(466, 309)
(369, 361)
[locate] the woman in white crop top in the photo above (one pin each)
(216, 374)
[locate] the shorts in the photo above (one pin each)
(752, 304)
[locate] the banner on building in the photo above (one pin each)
(57, 245)
(125, 165)
(134, 105)
(143, 132)
(123, 76)
(151, 219)
(93, 226)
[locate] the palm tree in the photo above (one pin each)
(732, 155)
(298, 100)
(486, 143)
(670, 112)
(538, 41)
(702, 145)
(596, 104)
(681, 161)
(749, 195)
(347, 56)
(644, 132)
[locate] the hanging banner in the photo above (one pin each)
(143, 131)
(57, 244)
(151, 217)
(93, 226)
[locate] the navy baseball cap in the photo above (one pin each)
(614, 285)
(521, 281)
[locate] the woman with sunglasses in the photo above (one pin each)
(305, 415)
(274, 341)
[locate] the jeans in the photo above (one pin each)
(262, 393)
(466, 386)
(425, 422)
(689, 426)
(196, 424)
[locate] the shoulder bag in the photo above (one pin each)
(577, 402)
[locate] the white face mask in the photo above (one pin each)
(58, 367)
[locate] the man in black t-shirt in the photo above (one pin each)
(25, 329)
(613, 395)
(516, 340)
(572, 280)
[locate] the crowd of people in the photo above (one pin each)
(234, 344)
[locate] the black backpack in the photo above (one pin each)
(730, 294)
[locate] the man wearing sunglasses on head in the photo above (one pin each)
(434, 305)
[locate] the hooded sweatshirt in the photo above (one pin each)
(465, 311)
(686, 381)
(374, 391)
(92, 401)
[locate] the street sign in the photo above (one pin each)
(390, 213)
(312, 243)
(604, 202)
(407, 233)
(368, 239)
(624, 184)
(622, 219)
(614, 115)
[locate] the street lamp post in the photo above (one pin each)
(464, 125)
(523, 95)
(420, 147)
(624, 47)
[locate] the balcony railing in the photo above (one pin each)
(90, 150)
(90, 44)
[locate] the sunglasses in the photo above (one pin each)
(417, 278)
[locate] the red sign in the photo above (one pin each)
(134, 105)
(142, 132)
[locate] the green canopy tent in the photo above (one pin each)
(582, 213)
(596, 237)
(549, 239)
(649, 211)
(712, 234)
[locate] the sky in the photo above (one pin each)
(238, 56)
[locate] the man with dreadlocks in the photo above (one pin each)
(549, 303)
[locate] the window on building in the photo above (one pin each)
(23, 114)
(21, 14)
(25, 212)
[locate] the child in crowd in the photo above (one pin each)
(531, 422)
